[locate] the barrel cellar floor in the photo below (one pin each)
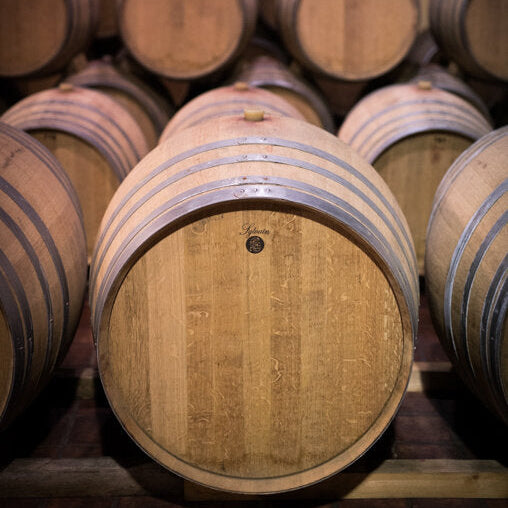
(68, 449)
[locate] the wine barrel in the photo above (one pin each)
(412, 133)
(473, 33)
(466, 266)
(95, 139)
(259, 278)
(42, 37)
(42, 268)
(266, 72)
(149, 109)
(348, 40)
(186, 40)
(440, 78)
(226, 101)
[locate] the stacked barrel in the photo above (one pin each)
(258, 273)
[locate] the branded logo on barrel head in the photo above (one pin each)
(255, 244)
(251, 229)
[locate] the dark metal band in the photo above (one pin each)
(50, 117)
(46, 158)
(127, 86)
(278, 190)
(41, 277)
(461, 164)
(482, 251)
(415, 126)
(220, 105)
(14, 304)
(499, 320)
(256, 158)
(462, 243)
(458, 110)
(269, 141)
(299, 88)
(46, 237)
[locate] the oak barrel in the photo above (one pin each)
(42, 37)
(347, 39)
(260, 280)
(226, 101)
(466, 266)
(149, 109)
(186, 40)
(411, 133)
(95, 139)
(43, 268)
(268, 73)
(474, 34)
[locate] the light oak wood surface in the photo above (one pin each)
(188, 39)
(348, 40)
(43, 36)
(473, 33)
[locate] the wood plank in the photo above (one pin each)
(87, 477)
(393, 479)
(433, 377)
(92, 477)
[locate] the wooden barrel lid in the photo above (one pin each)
(486, 26)
(43, 36)
(349, 40)
(271, 341)
(473, 33)
(185, 40)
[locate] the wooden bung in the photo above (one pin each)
(466, 267)
(186, 40)
(43, 268)
(411, 134)
(42, 37)
(473, 33)
(95, 139)
(268, 73)
(149, 109)
(226, 101)
(260, 281)
(348, 40)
